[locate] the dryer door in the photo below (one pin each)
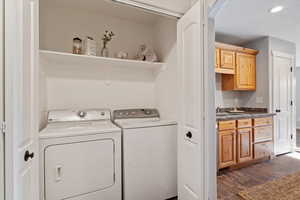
(78, 168)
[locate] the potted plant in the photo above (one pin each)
(107, 37)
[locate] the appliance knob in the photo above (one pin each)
(28, 155)
(148, 112)
(189, 135)
(81, 114)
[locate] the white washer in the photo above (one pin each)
(149, 155)
(80, 156)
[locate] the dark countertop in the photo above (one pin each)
(235, 116)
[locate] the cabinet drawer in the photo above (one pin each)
(262, 150)
(244, 123)
(263, 134)
(263, 121)
(227, 125)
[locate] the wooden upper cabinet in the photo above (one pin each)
(237, 66)
(245, 72)
(244, 145)
(227, 148)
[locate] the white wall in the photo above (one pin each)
(166, 82)
(74, 22)
(226, 98)
(100, 86)
(259, 98)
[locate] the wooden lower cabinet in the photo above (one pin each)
(227, 148)
(244, 145)
(244, 140)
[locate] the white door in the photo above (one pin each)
(191, 123)
(21, 59)
(282, 102)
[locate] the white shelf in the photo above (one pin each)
(83, 60)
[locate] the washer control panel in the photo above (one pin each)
(136, 113)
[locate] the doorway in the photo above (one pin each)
(252, 146)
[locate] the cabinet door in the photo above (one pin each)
(244, 145)
(227, 148)
(227, 59)
(246, 71)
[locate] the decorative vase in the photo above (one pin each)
(104, 51)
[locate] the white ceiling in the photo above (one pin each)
(250, 19)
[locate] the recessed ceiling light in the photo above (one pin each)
(276, 9)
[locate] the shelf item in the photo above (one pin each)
(83, 60)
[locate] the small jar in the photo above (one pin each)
(77, 46)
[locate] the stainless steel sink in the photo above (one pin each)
(222, 114)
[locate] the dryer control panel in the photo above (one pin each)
(136, 113)
(78, 115)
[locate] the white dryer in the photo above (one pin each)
(149, 155)
(80, 156)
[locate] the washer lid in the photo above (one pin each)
(143, 123)
(69, 129)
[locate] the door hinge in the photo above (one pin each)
(292, 137)
(291, 69)
(292, 103)
(3, 127)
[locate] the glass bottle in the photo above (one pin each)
(77, 46)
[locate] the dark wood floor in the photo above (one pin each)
(230, 183)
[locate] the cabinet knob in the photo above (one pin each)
(28, 155)
(189, 135)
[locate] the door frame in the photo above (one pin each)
(13, 99)
(2, 110)
(11, 89)
(272, 108)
